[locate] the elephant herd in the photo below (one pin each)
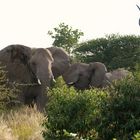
(37, 69)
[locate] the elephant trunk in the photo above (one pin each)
(44, 77)
(44, 80)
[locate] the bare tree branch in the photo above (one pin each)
(138, 6)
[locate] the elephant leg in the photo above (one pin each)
(21, 97)
(41, 101)
(29, 96)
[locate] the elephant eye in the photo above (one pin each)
(33, 64)
(80, 74)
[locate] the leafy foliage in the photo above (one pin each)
(120, 115)
(95, 114)
(114, 51)
(66, 37)
(7, 94)
(137, 136)
(73, 111)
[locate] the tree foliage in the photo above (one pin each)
(73, 111)
(120, 114)
(95, 114)
(65, 36)
(114, 50)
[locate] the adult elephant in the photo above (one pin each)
(82, 75)
(115, 75)
(32, 68)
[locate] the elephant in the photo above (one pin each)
(114, 75)
(94, 75)
(83, 76)
(35, 68)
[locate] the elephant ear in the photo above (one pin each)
(98, 71)
(19, 52)
(61, 61)
(15, 58)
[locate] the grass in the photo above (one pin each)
(25, 124)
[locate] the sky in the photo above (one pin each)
(27, 22)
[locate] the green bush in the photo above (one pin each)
(120, 115)
(73, 111)
(115, 51)
(137, 136)
(95, 113)
(8, 93)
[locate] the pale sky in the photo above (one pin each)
(28, 21)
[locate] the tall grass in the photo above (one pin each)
(5, 131)
(25, 124)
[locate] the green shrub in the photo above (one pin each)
(102, 114)
(73, 111)
(8, 93)
(137, 136)
(120, 115)
(115, 51)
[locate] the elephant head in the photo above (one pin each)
(78, 76)
(61, 61)
(38, 62)
(82, 75)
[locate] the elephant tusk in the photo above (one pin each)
(70, 83)
(54, 80)
(39, 82)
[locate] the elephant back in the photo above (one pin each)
(114, 75)
(119, 74)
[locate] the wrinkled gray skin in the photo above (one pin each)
(114, 75)
(26, 65)
(82, 76)
(61, 61)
